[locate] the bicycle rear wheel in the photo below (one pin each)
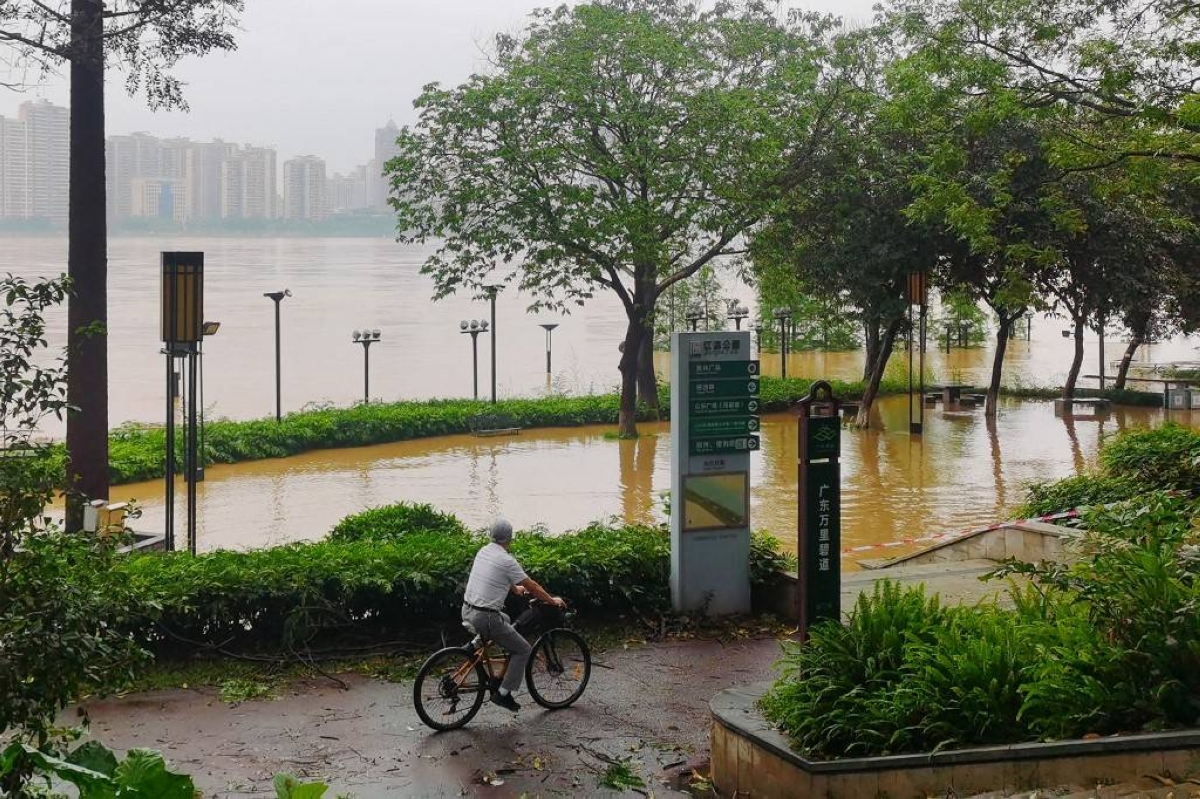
(449, 688)
(558, 669)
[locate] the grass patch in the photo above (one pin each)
(237, 691)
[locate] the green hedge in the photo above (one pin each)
(136, 453)
(1131, 465)
(385, 577)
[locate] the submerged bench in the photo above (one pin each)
(1066, 407)
(492, 424)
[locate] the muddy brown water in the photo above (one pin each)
(962, 472)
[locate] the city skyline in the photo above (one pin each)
(179, 179)
(375, 59)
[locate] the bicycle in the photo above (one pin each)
(452, 683)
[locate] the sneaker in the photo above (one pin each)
(505, 701)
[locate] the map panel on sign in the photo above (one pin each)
(714, 501)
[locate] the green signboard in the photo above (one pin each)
(723, 369)
(701, 389)
(823, 438)
(724, 445)
(724, 407)
(821, 556)
(722, 426)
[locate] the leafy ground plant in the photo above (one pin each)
(620, 776)
(237, 691)
(97, 773)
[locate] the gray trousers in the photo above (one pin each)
(497, 628)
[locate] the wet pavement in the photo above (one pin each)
(646, 707)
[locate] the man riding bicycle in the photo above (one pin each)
(494, 574)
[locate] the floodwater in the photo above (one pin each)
(340, 285)
(963, 472)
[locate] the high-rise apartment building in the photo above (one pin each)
(35, 162)
(304, 188)
(248, 184)
(385, 150)
(348, 193)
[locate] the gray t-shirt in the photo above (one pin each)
(493, 574)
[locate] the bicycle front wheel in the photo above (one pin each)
(558, 669)
(449, 688)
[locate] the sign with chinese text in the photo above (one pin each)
(820, 515)
(714, 426)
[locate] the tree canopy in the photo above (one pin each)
(613, 147)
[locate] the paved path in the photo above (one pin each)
(648, 704)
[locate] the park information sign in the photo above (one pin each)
(714, 428)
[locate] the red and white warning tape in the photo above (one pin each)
(928, 539)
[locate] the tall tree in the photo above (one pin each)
(145, 39)
(846, 229)
(614, 147)
(1131, 67)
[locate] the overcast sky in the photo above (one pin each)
(318, 76)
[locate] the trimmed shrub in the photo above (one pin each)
(382, 582)
(393, 521)
(1080, 491)
(1167, 457)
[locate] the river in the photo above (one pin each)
(962, 472)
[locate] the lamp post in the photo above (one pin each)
(474, 327)
(758, 332)
(949, 337)
(784, 315)
(549, 328)
(277, 297)
(737, 312)
(366, 338)
(493, 289)
(206, 329)
(693, 315)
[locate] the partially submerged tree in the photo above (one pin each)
(145, 39)
(614, 147)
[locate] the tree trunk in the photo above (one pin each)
(1002, 334)
(1076, 363)
(876, 375)
(630, 358)
(87, 266)
(871, 341)
(647, 388)
(1126, 359)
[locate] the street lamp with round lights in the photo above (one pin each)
(366, 337)
(473, 327)
(737, 312)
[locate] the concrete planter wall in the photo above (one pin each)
(751, 759)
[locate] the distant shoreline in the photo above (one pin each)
(373, 227)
